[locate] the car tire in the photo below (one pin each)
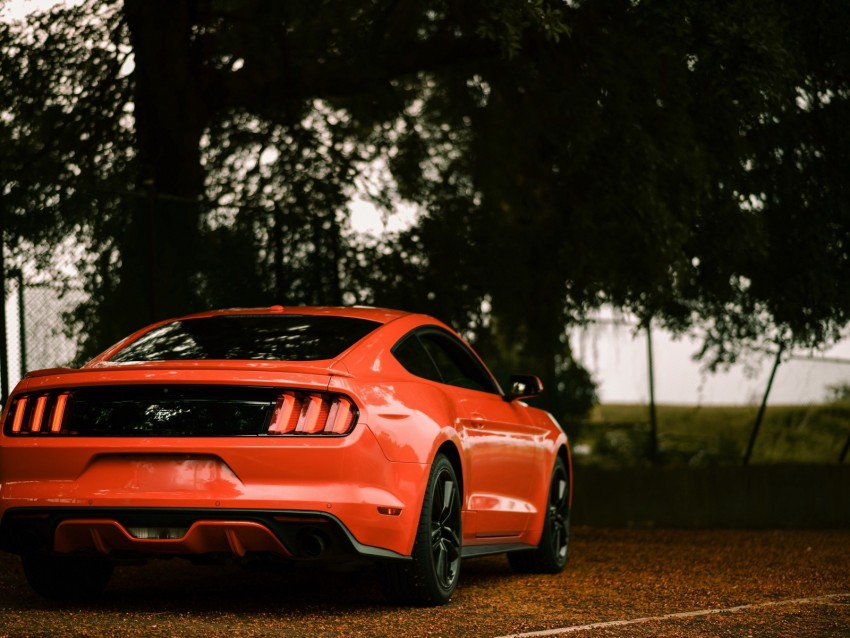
(550, 556)
(431, 577)
(67, 577)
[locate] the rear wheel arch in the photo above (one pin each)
(566, 457)
(432, 574)
(450, 451)
(550, 555)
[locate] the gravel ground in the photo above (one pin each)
(612, 575)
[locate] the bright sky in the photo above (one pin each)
(367, 219)
(18, 9)
(617, 359)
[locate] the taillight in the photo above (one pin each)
(312, 413)
(37, 414)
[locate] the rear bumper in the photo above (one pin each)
(345, 480)
(125, 533)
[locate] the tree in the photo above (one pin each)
(665, 175)
(680, 160)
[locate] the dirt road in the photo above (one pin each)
(617, 583)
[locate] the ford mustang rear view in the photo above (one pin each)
(282, 434)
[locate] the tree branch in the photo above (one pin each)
(254, 87)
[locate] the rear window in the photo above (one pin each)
(264, 337)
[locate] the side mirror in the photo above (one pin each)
(524, 386)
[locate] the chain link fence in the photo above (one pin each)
(36, 335)
(700, 419)
(658, 405)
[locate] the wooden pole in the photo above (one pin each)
(653, 419)
(22, 321)
(760, 416)
(4, 342)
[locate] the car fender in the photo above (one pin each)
(556, 443)
(410, 420)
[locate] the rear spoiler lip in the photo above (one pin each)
(326, 368)
(244, 373)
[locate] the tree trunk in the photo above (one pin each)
(160, 249)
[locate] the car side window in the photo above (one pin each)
(411, 354)
(448, 361)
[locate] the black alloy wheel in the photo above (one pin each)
(431, 577)
(445, 529)
(558, 516)
(67, 578)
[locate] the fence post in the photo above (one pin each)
(843, 456)
(22, 322)
(653, 420)
(4, 352)
(762, 408)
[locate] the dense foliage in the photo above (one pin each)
(682, 160)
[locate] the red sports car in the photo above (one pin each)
(291, 434)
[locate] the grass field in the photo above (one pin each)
(619, 435)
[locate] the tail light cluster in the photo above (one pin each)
(312, 413)
(293, 412)
(36, 414)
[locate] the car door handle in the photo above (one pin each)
(477, 420)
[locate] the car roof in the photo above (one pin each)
(382, 316)
(379, 315)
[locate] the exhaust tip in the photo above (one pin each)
(310, 542)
